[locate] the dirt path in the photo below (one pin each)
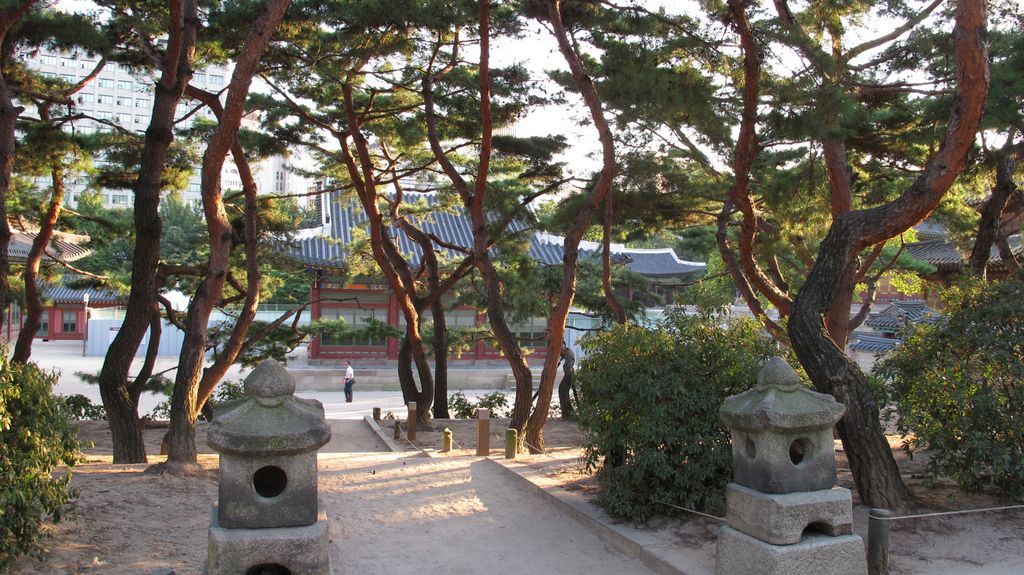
(392, 513)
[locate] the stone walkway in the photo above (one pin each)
(401, 513)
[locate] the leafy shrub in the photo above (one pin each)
(462, 408)
(958, 387)
(35, 438)
(459, 407)
(649, 401)
(80, 407)
(496, 401)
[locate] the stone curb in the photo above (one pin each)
(387, 439)
(624, 538)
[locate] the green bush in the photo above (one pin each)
(649, 402)
(459, 407)
(958, 387)
(80, 407)
(35, 438)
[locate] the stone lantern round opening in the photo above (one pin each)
(782, 433)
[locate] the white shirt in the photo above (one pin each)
(349, 374)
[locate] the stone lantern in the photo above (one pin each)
(785, 515)
(268, 519)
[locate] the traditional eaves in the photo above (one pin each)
(63, 246)
(65, 294)
(325, 248)
(900, 313)
(872, 343)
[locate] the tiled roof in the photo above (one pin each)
(901, 313)
(64, 294)
(872, 343)
(453, 227)
(931, 230)
(944, 255)
(67, 247)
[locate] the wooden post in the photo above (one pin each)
(376, 414)
(483, 431)
(511, 443)
(446, 440)
(878, 541)
(411, 431)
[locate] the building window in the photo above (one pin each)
(123, 101)
(44, 325)
(141, 103)
(119, 200)
(199, 77)
(124, 118)
(195, 187)
(141, 87)
(70, 323)
(69, 78)
(86, 98)
(48, 59)
(68, 62)
(105, 83)
(124, 84)
(216, 80)
(140, 119)
(104, 115)
(105, 99)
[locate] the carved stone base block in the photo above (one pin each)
(781, 518)
(301, 550)
(816, 554)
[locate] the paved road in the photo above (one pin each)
(66, 357)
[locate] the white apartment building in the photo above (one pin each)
(119, 96)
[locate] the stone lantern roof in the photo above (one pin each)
(269, 420)
(780, 403)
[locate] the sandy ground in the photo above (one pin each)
(403, 513)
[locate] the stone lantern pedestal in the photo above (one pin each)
(785, 515)
(268, 519)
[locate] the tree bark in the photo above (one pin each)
(185, 405)
(597, 194)
(988, 225)
(618, 313)
(832, 371)
(440, 361)
(33, 297)
(473, 201)
(120, 401)
(8, 116)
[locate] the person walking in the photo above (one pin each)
(350, 380)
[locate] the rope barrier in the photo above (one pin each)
(940, 513)
(553, 458)
(695, 512)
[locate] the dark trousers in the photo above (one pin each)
(348, 391)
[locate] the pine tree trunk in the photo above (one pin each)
(33, 297)
(988, 225)
(8, 116)
(507, 342)
(185, 407)
(122, 411)
(832, 371)
(440, 361)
